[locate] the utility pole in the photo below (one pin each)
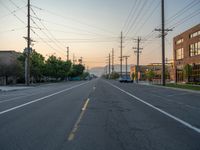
(67, 53)
(112, 60)
(138, 56)
(163, 30)
(80, 60)
(121, 42)
(109, 66)
(27, 50)
(126, 58)
(74, 60)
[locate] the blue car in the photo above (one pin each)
(125, 80)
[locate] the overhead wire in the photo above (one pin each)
(136, 18)
(45, 35)
(186, 18)
(52, 36)
(182, 11)
(52, 48)
(137, 21)
(142, 14)
(69, 27)
(129, 15)
(74, 20)
(14, 29)
(13, 13)
(148, 17)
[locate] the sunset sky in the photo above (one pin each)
(91, 28)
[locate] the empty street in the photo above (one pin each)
(99, 115)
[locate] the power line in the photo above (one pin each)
(77, 21)
(69, 32)
(46, 35)
(14, 4)
(136, 18)
(133, 15)
(14, 29)
(13, 13)
(43, 40)
(67, 26)
(52, 36)
(148, 17)
(129, 15)
(142, 14)
(182, 11)
(190, 16)
(105, 41)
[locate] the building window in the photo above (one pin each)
(179, 41)
(195, 49)
(179, 54)
(194, 34)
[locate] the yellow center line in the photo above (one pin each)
(85, 105)
(75, 128)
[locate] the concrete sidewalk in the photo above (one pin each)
(13, 88)
(167, 87)
(22, 86)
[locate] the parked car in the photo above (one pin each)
(125, 80)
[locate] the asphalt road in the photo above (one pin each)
(99, 115)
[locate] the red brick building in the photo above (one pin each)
(187, 51)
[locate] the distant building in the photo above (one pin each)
(141, 72)
(187, 51)
(7, 59)
(156, 68)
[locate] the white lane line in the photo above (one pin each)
(39, 99)
(158, 109)
(3, 101)
(75, 128)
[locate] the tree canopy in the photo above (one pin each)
(54, 68)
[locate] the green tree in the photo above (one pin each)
(187, 71)
(56, 68)
(76, 70)
(51, 64)
(85, 75)
(167, 73)
(114, 75)
(63, 68)
(36, 66)
(133, 76)
(150, 74)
